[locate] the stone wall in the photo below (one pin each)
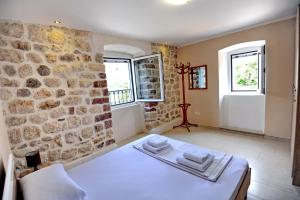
(159, 113)
(54, 92)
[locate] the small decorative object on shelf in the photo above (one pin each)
(182, 70)
(33, 159)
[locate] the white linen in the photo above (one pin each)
(154, 150)
(194, 165)
(51, 183)
(170, 155)
(157, 141)
(126, 173)
(197, 156)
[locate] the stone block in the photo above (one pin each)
(57, 113)
(69, 154)
(14, 136)
(73, 122)
(31, 132)
(52, 82)
(36, 33)
(42, 94)
(49, 104)
(54, 155)
(21, 45)
(12, 29)
(5, 94)
(34, 57)
(87, 132)
(4, 82)
(43, 70)
(72, 100)
(60, 93)
(9, 70)
(23, 93)
(38, 118)
(87, 120)
(12, 56)
(33, 83)
(25, 71)
(51, 58)
(19, 106)
(15, 120)
(71, 137)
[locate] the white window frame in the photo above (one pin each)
(161, 78)
(127, 60)
(261, 76)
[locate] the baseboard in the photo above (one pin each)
(258, 132)
(165, 127)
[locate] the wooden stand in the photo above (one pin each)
(182, 70)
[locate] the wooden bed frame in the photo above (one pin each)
(12, 192)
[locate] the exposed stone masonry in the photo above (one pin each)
(54, 92)
(159, 113)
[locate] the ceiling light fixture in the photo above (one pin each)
(57, 22)
(177, 2)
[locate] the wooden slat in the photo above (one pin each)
(242, 194)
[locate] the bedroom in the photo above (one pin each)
(81, 82)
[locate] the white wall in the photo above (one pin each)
(128, 121)
(4, 144)
(244, 113)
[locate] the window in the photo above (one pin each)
(119, 81)
(247, 71)
(139, 79)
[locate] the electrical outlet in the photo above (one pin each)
(197, 113)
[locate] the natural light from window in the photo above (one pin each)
(245, 71)
(119, 82)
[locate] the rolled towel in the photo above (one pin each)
(157, 141)
(154, 150)
(194, 165)
(196, 156)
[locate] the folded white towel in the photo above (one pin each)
(196, 156)
(154, 150)
(157, 141)
(194, 165)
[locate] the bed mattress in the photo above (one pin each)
(127, 173)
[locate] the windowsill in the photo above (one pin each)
(123, 106)
(244, 94)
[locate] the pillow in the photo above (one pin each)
(51, 183)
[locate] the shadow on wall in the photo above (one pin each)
(242, 111)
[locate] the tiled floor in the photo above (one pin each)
(269, 159)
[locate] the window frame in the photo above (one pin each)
(161, 77)
(127, 60)
(260, 50)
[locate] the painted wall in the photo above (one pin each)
(128, 121)
(4, 143)
(280, 41)
(243, 113)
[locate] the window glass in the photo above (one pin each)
(245, 71)
(119, 81)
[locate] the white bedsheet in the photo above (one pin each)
(127, 174)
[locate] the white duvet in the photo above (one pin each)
(128, 174)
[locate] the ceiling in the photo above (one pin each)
(152, 20)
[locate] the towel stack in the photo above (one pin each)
(156, 144)
(198, 160)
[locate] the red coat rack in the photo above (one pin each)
(182, 70)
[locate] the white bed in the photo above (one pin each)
(126, 173)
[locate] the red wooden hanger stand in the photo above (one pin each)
(182, 70)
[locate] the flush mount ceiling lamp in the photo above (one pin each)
(57, 22)
(177, 2)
